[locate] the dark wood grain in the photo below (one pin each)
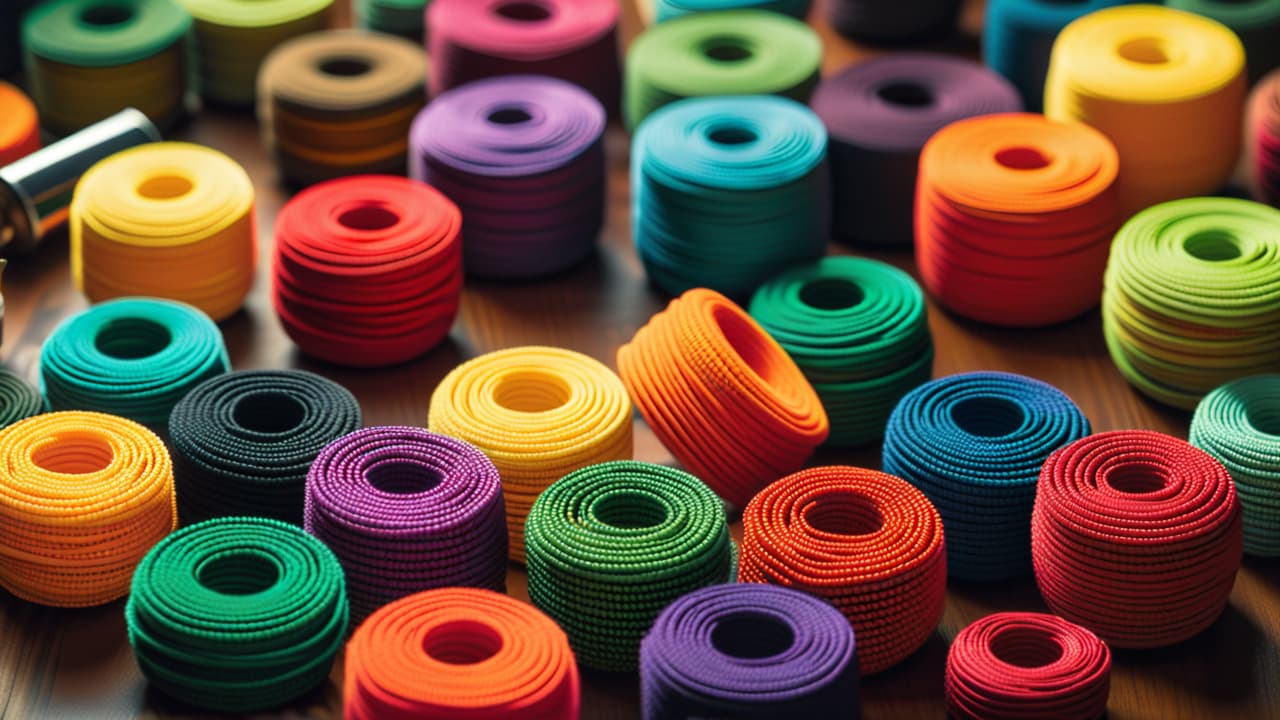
(77, 664)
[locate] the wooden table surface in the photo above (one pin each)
(77, 663)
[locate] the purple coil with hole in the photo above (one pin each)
(749, 651)
(407, 510)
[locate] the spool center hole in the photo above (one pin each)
(1026, 648)
(106, 15)
(345, 67)
(988, 416)
(130, 338)
(1136, 479)
(531, 391)
(368, 217)
(1144, 50)
(1212, 246)
(729, 135)
(831, 294)
(165, 187)
(238, 572)
(747, 342)
(74, 454)
(845, 513)
(402, 477)
(268, 412)
(906, 94)
(523, 12)
(727, 49)
(461, 642)
(751, 636)
(630, 510)
(1264, 415)
(509, 116)
(1022, 158)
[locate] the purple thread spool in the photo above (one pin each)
(407, 510)
(749, 651)
(523, 157)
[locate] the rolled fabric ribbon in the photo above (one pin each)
(244, 441)
(134, 357)
(722, 395)
(1017, 665)
(1237, 425)
(867, 541)
(1014, 218)
(538, 413)
(1166, 86)
(88, 59)
(523, 156)
(1263, 127)
(1136, 535)
(367, 269)
(668, 9)
(1256, 23)
(608, 546)
(459, 653)
(1018, 35)
(876, 22)
(83, 496)
(1192, 297)
(574, 40)
(879, 113)
(238, 614)
(748, 651)
(340, 102)
(19, 125)
(405, 18)
(407, 510)
(233, 37)
(19, 399)
(167, 220)
(734, 52)
(858, 330)
(726, 190)
(973, 444)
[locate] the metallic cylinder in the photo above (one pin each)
(35, 191)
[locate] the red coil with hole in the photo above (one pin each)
(867, 541)
(1137, 536)
(1022, 665)
(368, 269)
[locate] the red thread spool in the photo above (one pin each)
(368, 269)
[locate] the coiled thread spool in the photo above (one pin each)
(539, 413)
(1256, 23)
(668, 9)
(973, 444)
(1263, 126)
(748, 651)
(83, 496)
(237, 615)
(88, 59)
(19, 399)
(1014, 218)
(523, 156)
(133, 357)
(879, 113)
(339, 103)
(722, 395)
(1192, 297)
(858, 330)
(405, 18)
(19, 126)
(1136, 535)
(726, 190)
(867, 541)
(610, 545)
(460, 653)
(1014, 665)
(1237, 424)
(407, 510)
(244, 441)
(166, 220)
(1167, 87)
